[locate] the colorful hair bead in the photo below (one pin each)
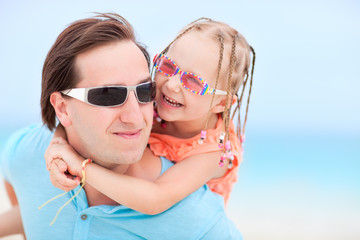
(227, 145)
(157, 117)
(159, 120)
(221, 140)
(230, 166)
(221, 163)
(230, 155)
(227, 155)
(202, 137)
(222, 159)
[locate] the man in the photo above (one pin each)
(110, 125)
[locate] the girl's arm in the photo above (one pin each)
(152, 198)
(144, 196)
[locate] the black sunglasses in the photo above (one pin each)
(113, 96)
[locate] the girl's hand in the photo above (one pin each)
(71, 160)
(59, 176)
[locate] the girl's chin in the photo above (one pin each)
(165, 115)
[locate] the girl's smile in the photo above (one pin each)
(168, 102)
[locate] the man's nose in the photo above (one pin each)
(130, 110)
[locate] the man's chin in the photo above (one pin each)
(118, 157)
(129, 158)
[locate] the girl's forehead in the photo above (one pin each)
(194, 39)
(193, 48)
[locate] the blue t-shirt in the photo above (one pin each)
(201, 215)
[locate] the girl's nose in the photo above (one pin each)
(173, 83)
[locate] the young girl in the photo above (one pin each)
(198, 76)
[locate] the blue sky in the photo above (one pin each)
(306, 75)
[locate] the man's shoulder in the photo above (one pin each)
(31, 136)
(24, 147)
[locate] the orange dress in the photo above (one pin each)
(177, 149)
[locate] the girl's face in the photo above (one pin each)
(194, 52)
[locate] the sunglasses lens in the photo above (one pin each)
(107, 96)
(146, 92)
(192, 82)
(166, 66)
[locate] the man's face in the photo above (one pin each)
(111, 135)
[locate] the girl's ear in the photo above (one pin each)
(220, 106)
(60, 106)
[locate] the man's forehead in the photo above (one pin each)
(119, 63)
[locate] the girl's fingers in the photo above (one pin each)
(60, 179)
(62, 165)
(51, 153)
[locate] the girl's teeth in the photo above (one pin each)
(172, 102)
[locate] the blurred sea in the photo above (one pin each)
(294, 186)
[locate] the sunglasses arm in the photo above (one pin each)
(78, 93)
(220, 92)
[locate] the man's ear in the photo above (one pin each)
(61, 110)
(220, 106)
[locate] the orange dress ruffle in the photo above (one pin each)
(177, 149)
